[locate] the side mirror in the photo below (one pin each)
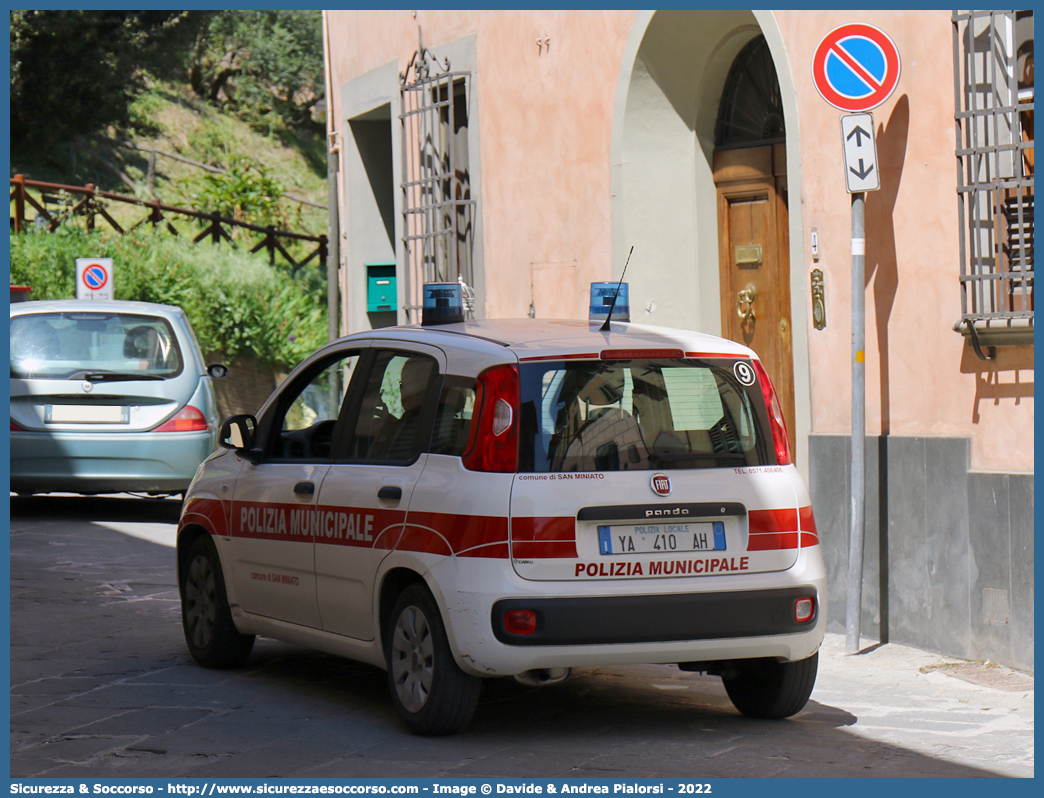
(217, 371)
(237, 434)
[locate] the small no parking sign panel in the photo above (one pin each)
(94, 278)
(856, 67)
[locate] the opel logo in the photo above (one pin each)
(661, 484)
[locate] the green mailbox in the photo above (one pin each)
(381, 288)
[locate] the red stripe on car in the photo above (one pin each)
(207, 513)
(461, 532)
(543, 538)
(525, 550)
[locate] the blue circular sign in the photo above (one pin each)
(856, 67)
(95, 276)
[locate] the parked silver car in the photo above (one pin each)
(108, 397)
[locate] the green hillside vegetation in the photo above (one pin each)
(168, 118)
(238, 92)
(174, 121)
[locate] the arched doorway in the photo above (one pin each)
(665, 201)
(750, 178)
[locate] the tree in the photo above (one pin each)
(261, 62)
(74, 72)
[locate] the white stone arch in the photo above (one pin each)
(663, 196)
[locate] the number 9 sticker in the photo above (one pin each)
(744, 373)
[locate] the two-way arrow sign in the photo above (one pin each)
(860, 153)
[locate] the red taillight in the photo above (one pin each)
(494, 434)
(520, 622)
(189, 419)
(804, 609)
(16, 428)
(780, 440)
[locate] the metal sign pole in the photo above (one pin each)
(855, 537)
(862, 56)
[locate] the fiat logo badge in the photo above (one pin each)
(661, 484)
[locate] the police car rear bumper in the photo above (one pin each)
(638, 622)
(607, 620)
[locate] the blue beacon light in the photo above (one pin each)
(602, 299)
(443, 303)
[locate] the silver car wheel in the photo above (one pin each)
(413, 659)
(201, 601)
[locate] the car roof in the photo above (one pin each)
(99, 305)
(536, 337)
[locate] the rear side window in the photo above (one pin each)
(640, 415)
(63, 345)
(391, 423)
(453, 417)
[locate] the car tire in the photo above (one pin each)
(211, 635)
(764, 688)
(432, 695)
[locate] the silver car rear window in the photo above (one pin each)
(640, 415)
(67, 345)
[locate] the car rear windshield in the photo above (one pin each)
(641, 415)
(74, 344)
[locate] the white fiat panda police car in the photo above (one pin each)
(460, 500)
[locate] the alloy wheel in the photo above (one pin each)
(200, 601)
(413, 659)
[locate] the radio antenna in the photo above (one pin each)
(605, 325)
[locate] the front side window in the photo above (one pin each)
(74, 344)
(640, 415)
(309, 409)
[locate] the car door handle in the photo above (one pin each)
(304, 488)
(393, 492)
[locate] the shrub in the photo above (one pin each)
(247, 192)
(238, 305)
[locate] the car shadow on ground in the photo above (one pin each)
(121, 507)
(614, 722)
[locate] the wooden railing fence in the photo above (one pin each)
(84, 201)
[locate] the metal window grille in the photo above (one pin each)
(438, 211)
(993, 98)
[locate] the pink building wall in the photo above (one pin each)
(922, 379)
(546, 116)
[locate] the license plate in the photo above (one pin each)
(86, 414)
(661, 538)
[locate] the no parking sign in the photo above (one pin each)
(856, 67)
(94, 278)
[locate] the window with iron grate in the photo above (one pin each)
(993, 97)
(438, 208)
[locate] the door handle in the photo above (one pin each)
(745, 303)
(390, 492)
(304, 488)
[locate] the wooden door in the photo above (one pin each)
(753, 242)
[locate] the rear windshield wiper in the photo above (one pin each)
(113, 376)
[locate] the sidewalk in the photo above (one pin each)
(973, 713)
